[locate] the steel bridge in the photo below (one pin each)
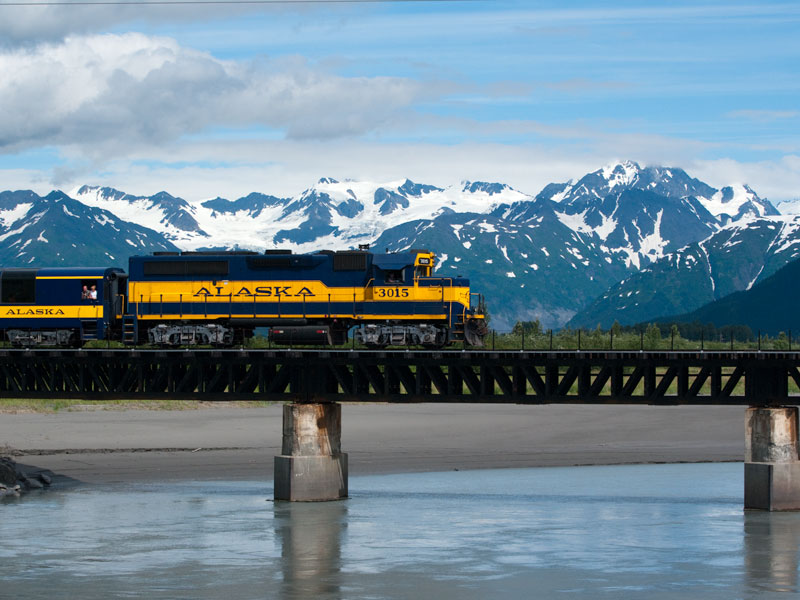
(319, 376)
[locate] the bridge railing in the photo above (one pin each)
(650, 338)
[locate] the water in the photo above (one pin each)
(655, 531)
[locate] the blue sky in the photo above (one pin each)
(223, 100)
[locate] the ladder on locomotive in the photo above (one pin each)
(129, 330)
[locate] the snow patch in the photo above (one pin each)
(11, 216)
(69, 213)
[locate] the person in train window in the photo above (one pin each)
(85, 293)
(93, 293)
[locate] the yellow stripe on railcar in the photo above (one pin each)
(51, 312)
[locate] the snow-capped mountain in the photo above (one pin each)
(59, 231)
(733, 259)
(728, 204)
(540, 270)
(639, 213)
(543, 256)
(330, 214)
(638, 225)
(171, 216)
(645, 213)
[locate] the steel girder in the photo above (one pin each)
(746, 378)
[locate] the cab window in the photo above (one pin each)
(395, 276)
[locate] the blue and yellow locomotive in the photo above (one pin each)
(219, 298)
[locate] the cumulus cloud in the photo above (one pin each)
(28, 25)
(108, 92)
(777, 180)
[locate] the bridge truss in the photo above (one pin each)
(607, 377)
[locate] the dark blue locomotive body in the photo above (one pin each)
(219, 298)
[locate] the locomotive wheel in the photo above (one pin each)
(474, 332)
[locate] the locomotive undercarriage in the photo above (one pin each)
(373, 335)
(206, 334)
(32, 337)
(380, 336)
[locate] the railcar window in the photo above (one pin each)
(18, 287)
(185, 267)
(90, 289)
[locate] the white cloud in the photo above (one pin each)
(201, 169)
(26, 25)
(109, 93)
(205, 169)
(778, 180)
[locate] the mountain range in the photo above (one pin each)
(619, 243)
(778, 292)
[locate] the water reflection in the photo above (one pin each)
(595, 532)
(310, 535)
(772, 550)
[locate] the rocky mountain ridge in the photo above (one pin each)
(546, 256)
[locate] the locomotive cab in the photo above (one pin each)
(417, 306)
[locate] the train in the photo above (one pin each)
(220, 298)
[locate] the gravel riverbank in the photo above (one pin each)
(104, 446)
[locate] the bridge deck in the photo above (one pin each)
(591, 377)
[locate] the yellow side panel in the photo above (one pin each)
(286, 291)
(51, 312)
(240, 291)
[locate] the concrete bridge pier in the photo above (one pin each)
(772, 464)
(312, 466)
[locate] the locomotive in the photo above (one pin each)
(219, 298)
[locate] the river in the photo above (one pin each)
(649, 531)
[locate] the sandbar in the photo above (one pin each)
(239, 443)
